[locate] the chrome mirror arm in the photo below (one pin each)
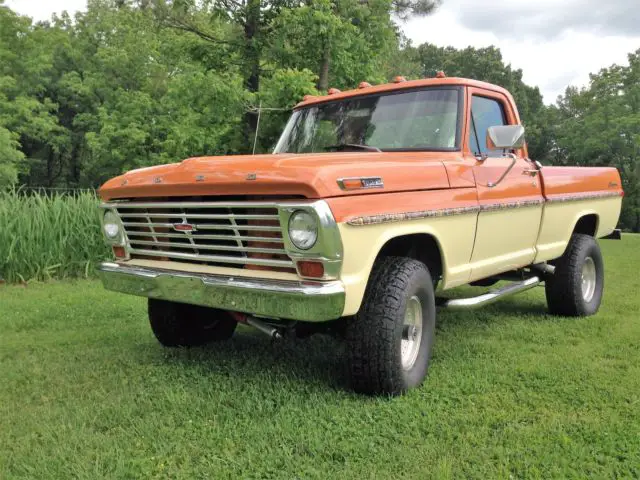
(506, 172)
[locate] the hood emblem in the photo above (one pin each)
(157, 180)
(251, 176)
(199, 178)
(184, 227)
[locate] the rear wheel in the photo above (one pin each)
(575, 289)
(183, 325)
(389, 341)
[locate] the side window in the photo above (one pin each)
(485, 113)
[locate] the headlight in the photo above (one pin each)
(111, 225)
(303, 230)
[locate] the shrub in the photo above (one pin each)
(44, 236)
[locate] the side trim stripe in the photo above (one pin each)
(399, 217)
(447, 212)
(575, 197)
(492, 207)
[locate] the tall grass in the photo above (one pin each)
(44, 236)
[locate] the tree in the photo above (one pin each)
(342, 41)
(25, 108)
(236, 26)
(10, 158)
(599, 125)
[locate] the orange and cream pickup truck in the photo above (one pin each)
(374, 201)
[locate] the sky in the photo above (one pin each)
(556, 43)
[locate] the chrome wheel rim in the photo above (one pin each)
(411, 333)
(588, 279)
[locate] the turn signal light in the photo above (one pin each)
(440, 74)
(118, 251)
(360, 182)
(333, 91)
(311, 269)
(399, 79)
(364, 85)
(351, 183)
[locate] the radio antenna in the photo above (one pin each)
(255, 139)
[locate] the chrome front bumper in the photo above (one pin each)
(287, 299)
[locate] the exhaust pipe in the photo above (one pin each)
(491, 296)
(264, 327)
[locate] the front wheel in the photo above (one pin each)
(389, 340)
(575, 289)
(183, 325)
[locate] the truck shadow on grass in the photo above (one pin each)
(504, 310)
(314, 362)
(317, 362)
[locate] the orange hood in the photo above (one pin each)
(307, 175)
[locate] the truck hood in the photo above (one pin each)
(305, 175)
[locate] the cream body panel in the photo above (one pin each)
(454, 234)
(505, 240)
(560, 218)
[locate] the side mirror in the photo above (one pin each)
(505, 137)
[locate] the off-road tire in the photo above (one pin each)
(564, 289)
(374, 334)
(182, 325)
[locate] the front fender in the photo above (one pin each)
(450, 217)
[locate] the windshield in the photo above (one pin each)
(416, 120)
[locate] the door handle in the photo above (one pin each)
(530, 171)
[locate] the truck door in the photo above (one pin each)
(511, 207)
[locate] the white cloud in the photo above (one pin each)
(43, 9)
(560, 58)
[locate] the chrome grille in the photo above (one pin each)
(236, 234)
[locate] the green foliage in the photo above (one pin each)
(281, 92)
(352, 37)
(46, 236)
(512, 392)
(10, 158)
(599, 125)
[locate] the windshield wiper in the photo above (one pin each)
(353, 146)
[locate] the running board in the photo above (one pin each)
(491, 296)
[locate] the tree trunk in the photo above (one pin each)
(252, 80)
(323, 75)
(75, 163)
(50, 161)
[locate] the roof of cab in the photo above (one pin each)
(404, 85)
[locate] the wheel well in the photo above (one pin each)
(587, 225)
(419, 246)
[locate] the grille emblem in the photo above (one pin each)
(184, 227)
(251, 176)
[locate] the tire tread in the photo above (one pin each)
(373, 362)
(564, 296)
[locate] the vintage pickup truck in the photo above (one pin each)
(373, 200)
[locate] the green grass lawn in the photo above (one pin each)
(87, 392)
